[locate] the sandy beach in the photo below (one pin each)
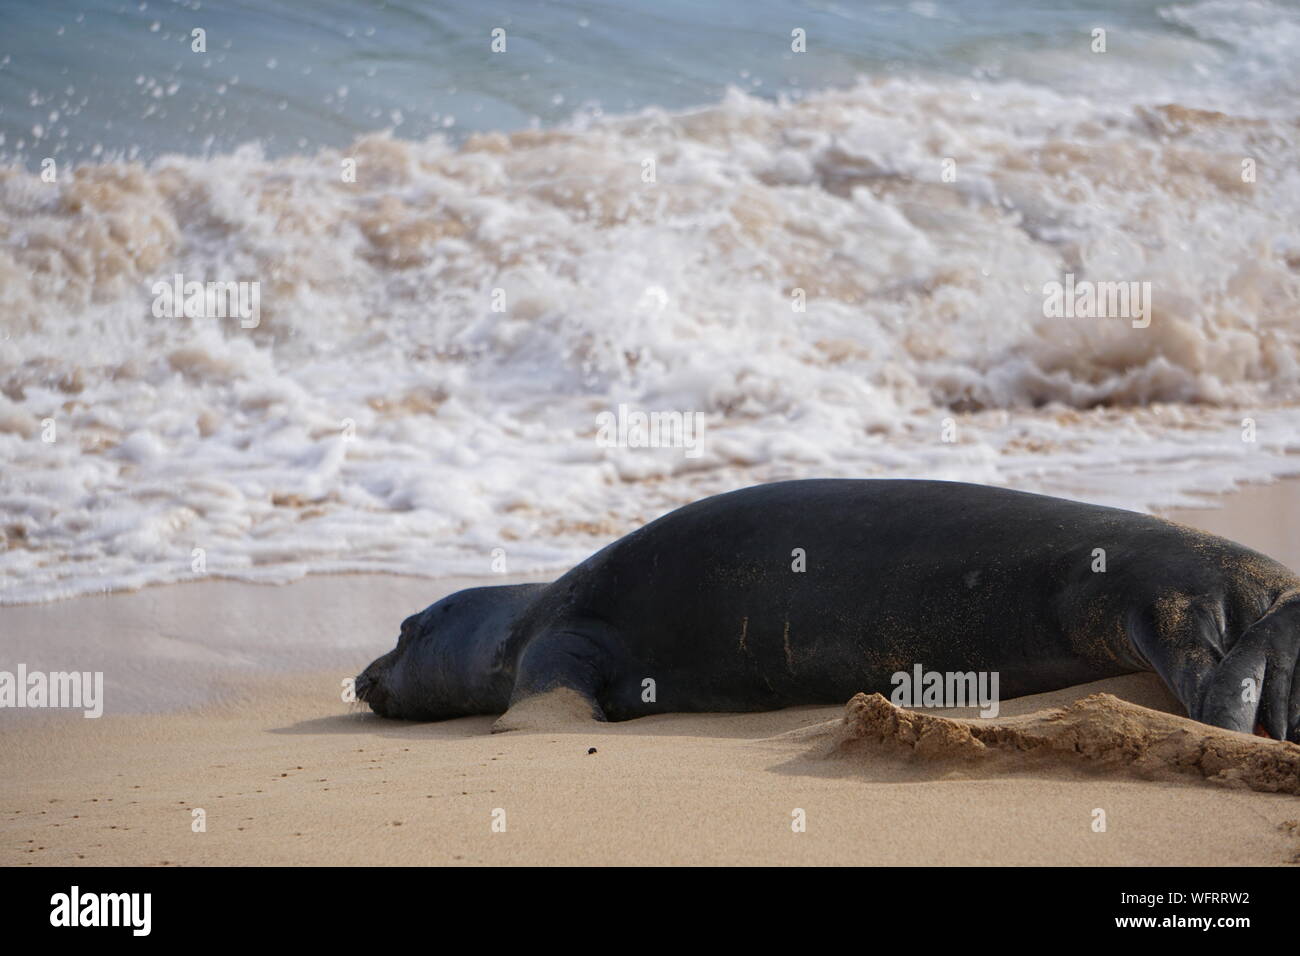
(312, 315)
(226, 697)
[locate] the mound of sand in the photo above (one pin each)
(1098, 731)
(555, 710)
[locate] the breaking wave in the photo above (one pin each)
(851, 283)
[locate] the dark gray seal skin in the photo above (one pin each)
(956, 577)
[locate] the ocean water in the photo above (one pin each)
(838, 267)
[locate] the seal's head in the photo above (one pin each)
(451, 659)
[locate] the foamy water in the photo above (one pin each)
(436, 339)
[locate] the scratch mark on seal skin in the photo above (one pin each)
(785, 641)
(744, 648)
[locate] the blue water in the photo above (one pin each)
(85, 79)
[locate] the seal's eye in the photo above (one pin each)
(409, 628)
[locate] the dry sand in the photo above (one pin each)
(287, 773)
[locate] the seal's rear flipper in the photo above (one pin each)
(1247, 686)
(556, 683)
(1255, 685)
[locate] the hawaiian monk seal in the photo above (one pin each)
(707, 604)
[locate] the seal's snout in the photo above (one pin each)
(364, 684)
(370, 690)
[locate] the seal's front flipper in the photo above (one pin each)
(555, 685)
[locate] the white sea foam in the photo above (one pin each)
(382, 416)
